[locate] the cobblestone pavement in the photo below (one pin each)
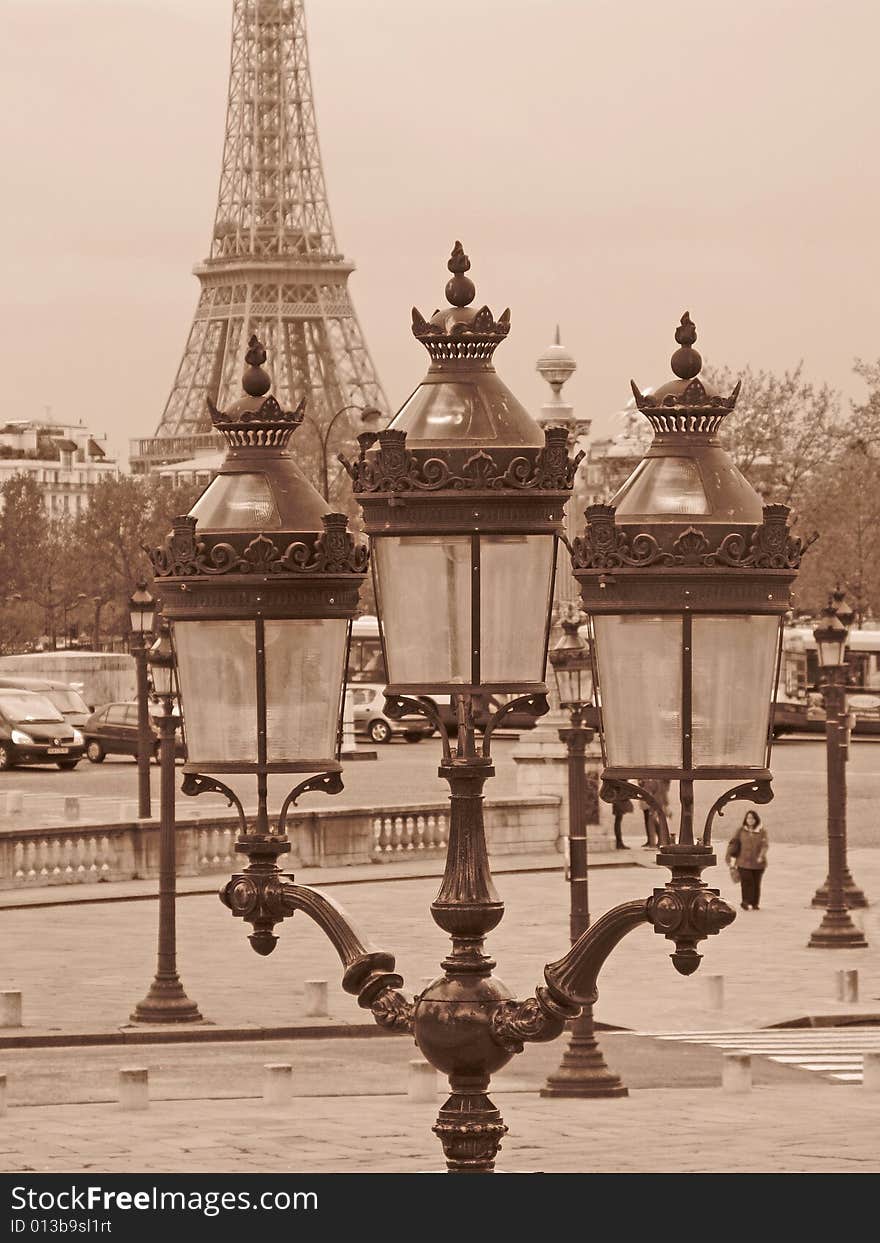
(775, 1129)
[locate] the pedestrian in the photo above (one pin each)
(747, 856)
(659, 787)
(621, 807)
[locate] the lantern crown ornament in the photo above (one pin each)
(256, 421)
(685, 405)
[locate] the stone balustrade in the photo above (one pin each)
(88, 854)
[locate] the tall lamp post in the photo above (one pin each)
(166, 1001)
(142, 612)
(831, 635)
(583, 1071)
(852, 894)
(463, 496)
(369, 416)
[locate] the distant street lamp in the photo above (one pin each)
(583, 1071)
(142, 612)
(853, 896)
(370, 417)
(166, 1001)
(831, 635)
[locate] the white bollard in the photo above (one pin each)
(134, 1088)
(277, 1083)
(10, 1009)
(847, 985)
(71, 807)
(871, 1072)
(2, 1095)
(422, 1082)
(715, 991)
(736, 1075)
(315, 993)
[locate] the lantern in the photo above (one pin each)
(142, 611)
(161, 661)
(686, 578)
(463, 499)
(572, 667)
(832, 633)
(260, 583)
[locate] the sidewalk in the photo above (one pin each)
(776, 1129)
(83, 967)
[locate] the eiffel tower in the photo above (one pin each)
(275, 268)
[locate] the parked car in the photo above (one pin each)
(65, 697)
(33, 731)
(113, 730)
(370, 718)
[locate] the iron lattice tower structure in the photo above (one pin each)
(274, 268)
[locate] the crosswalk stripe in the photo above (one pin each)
(834, 1053)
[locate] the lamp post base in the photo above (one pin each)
(166, 1002)
(583, 1071)
(837, 931)
(853, 896)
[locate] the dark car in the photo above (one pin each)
(113, 730)
(33, 731)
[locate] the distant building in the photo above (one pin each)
(611, 460)
(197, 470)
(65, 459)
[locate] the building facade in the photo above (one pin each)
(66, 460)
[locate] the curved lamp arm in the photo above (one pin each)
(263, 897)
(684, 910)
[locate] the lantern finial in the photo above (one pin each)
(460, 290)
(686, 362)
(255, 381)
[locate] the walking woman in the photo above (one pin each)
(747, 856)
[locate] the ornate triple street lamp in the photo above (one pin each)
(166, 1001)
(583, 1071)
(463, 496)
(142, 614)
(832, 634)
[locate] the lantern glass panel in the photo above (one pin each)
(241, 502)
(425, 598)
(664, 485)
(304, 667)
(218, 690)
(516, 582)
(640, 665)
(143, 620)
(436, 411)
(734, 663)
(163, 678)
(831, 650)
(575, 686)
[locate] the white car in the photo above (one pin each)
(370, 718)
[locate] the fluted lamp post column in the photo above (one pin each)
(142, 613)
(837, 929)
(853, 896)
(583, 1071)
(166, 1002)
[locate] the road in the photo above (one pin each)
(406, 773)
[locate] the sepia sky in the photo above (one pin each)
(606, 163)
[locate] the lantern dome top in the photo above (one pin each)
(256, 421)
(686, 404)
(462, 402)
